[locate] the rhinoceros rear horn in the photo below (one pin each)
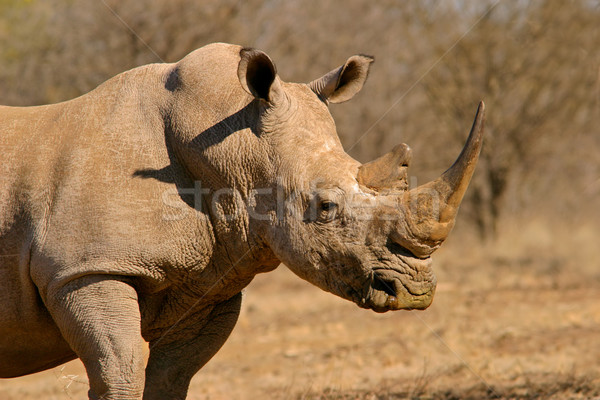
(258, 75)
(341, 84)
(388, 171)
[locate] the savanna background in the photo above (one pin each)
(517, 312)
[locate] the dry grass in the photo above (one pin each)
(519, 319)
(551, 386)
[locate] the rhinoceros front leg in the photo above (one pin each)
(178, 355)
(100, 319)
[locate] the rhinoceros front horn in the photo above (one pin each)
(430, 209)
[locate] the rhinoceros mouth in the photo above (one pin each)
(405, 283)
(389, 290)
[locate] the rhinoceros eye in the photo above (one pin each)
(327, 210)
(328, 205)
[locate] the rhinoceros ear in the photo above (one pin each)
(258, 75)
(344, 82)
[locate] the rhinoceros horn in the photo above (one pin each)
(431, 226)
(428, 211)
(388, 171)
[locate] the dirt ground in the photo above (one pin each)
(516, 320)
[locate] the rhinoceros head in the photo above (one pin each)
(352, 229)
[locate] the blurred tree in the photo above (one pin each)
(54, 50)
(20, 50)
(535, 64)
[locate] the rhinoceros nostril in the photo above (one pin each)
(384, 285)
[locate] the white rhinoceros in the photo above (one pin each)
(141, 210)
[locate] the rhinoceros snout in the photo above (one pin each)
(392, 290)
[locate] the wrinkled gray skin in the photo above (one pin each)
(104, 244)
